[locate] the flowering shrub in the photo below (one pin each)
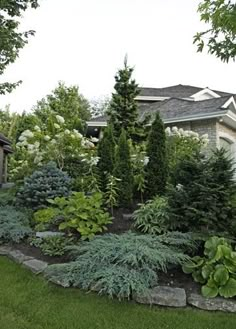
(51, 142)
(181, 144)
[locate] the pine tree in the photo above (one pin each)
(156, 171)
(123, 171)
(106, 154)
(123, 112)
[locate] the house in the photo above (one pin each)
(5, 149)
(202, 110)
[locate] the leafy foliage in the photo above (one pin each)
(67, 102)
(156, 170)
(46, 183)
(81, 213)
(153, 216)
(52, 245)
(11, 40)
(122, 265)
(14, 224)
(123, 171)
(221, 36)
(217, 270)
(202, 199)
(7, 197)
(112, 191)
(123, 111)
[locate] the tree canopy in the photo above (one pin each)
(220, 38)
(11, 39)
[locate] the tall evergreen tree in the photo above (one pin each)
(106, 154)
(123, 171)
(156, 171)
(123, 112)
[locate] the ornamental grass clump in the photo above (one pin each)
(122, 265)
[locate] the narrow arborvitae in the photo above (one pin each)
(156, 171)
(106, 154)
(123, 112)
(123, 171)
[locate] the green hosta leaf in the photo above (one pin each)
(207, 270)
(192, 264)
(63, 226)
(209, 292)
(197, 276)
(221, 275)
(229, 289)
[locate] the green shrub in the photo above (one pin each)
(52, 245)
(202, 199)
(7, 197)
(157, 167)
(217, 270)
(153, 216)
(123, 171)
(81, 213)
(14, 225)
(46, 183)
(122, 265)
(106, 154)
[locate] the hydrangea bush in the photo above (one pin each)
(52, 142)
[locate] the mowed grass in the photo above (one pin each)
(29, 302)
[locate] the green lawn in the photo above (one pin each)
(29, 302)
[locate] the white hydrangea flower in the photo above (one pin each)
(60, 119)
(38, 159)
(36, 128)
(67, 132)
(175, 129)
(205, 136)
(22, 138)
(56, 126)
(47, 138)
(36, 145)
(53, 141)
(145, 161)
(94, 161)
(181, 131)
(27, 133)
(77, 133)
(168, 131)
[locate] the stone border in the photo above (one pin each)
(160, 295)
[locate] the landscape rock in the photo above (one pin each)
(59, 282)
(4, 250)
(212, 304)
(35, 265)
(18, 256)
(127, 216)
(165, 296)
(46, 234)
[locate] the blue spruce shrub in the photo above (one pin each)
(48, 182)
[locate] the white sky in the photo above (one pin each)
(84, 42)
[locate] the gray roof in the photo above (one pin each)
(178, 91)
(175, 107)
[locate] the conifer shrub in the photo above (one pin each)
(14, 224)
(123, 171)
(122, 265)
(46, 183)
(202, 199)
(156, 170)
(106, 154)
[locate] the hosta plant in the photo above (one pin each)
(52, 245)
(79, 212)
(217, 270)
